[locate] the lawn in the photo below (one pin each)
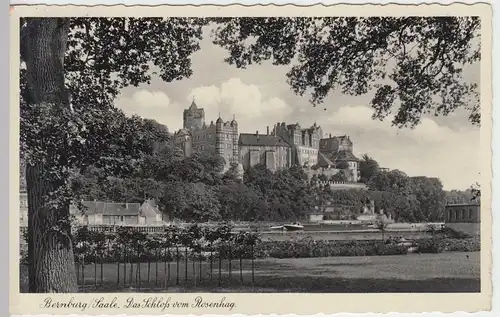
(443, 272)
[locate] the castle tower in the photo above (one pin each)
(194, 117)
(219, 137)
(234, 130)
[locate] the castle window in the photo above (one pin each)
(470, 214)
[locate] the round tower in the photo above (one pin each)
(234, 132)
(219, 137)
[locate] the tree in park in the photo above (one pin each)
(191, 201)
(381, 223)
(431, 198)
(394, 181)
(414, 62)
(75, 68)
(367, 168)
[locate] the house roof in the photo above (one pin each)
(149, 208)
(341, 156)
(261, 140)
(346, 156)
(112, 209)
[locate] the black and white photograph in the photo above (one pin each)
(248, 154)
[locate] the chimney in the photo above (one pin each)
(330, 135)
(257, 133)
(267, 130)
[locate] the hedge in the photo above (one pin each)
(321, 248)
(449, 245)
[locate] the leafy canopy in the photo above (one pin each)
(414, 64)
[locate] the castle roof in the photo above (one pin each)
(194, 110)
(261, 140)
(324, 161)
(193, 106)
(182, 132)
(343, 156)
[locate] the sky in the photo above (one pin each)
(443, 147)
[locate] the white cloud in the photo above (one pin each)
(251, 108)
(428, 149)
(153, 105)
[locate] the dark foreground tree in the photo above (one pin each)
(414, 62)
(74, 69)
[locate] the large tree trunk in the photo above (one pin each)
(50, 252)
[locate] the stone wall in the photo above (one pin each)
(473, 229)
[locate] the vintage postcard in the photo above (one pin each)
(250, 159)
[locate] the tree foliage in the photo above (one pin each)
(394, 181)
(367, 168)
(431, 198)
(191, 201)
(413, 64)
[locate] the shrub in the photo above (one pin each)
(462, 245)
(320, 248)
(430, 246)
(454, 234)
(391, 249)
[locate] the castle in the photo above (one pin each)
(220, 138)
(283, 147)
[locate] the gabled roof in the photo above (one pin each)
(341, 156)
(261, 140)
(149, 208)
(112, 209)
(346, 156)
(182, 132)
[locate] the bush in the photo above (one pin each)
(448, 245)
(430, 246)
(462, 245)
(391, 249)
(320, 248)
(454, 234)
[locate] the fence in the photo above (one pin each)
(175, 258)
(175, 266)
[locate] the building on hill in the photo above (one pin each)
(340, 185)
(182, 139)
(193, 117)
(339, 150)
(324, 167)
(304, 142)
(220, 138)
(267, 149)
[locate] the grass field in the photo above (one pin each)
(444, 272)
